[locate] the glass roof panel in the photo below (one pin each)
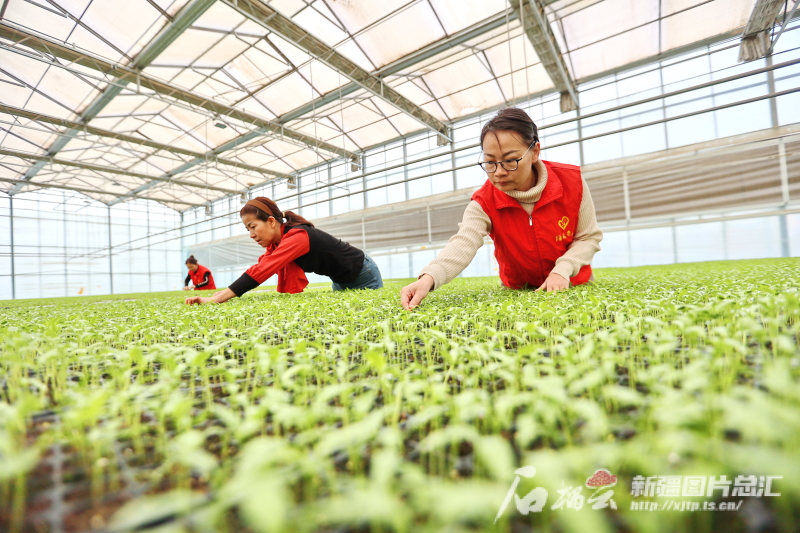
(17, 139)
(250, 27)
(128, 25)
(457, 76)
(14, 93)
(254, 68)
(287, 7)
(21, 69)
(356, 15)
(378, 132)
(277, 45)
(31, 134)
(615, 51)
(321, 128)
(322, 77)
(45, 21)
(532, 80)
(354, 116)
(416, 91)
(607, 18)
(704, 21)
(406, 31)
(670, 7)
(253, 106)
(269, 63)
(125, 103)
(472, 100)
(83, 38)
(66, 88)
(227, 91)
(290, 154)
(404, 123)
(188, 47)
(221, 53)
(219, 17)
(188, 79)
(465, 13)
(563, 8)
(324, 28)
(518, 50)
(287, 94)
(351, 51)
(48, 106)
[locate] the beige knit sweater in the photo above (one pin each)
(476, 225)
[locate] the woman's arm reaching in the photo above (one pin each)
(222, 296)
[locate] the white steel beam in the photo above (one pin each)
(540, 34)
(756, 39)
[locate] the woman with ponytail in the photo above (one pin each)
(293, 246)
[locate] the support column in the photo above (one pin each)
(405, 168)
(149, 257)
(784, 173)
(784, 229)
(11, 221)
(430, 233)
(64, 246)
(773, 104)
(364, 179)
(363, 235)
(626, 198)
(110, 251)
(674, 244)
(453, 159)
(330, 190)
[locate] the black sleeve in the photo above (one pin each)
(243, 284)
(205, 280)
(187, 280)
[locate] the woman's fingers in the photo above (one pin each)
(554, 282)
(412, 295)
(405, 296)
(419, 295)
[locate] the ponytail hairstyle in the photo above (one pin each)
(513, 119)
(263, 208)
(191, 260)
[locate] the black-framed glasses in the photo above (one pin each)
(508, 164)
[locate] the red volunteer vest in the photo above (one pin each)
(526, 247)
(198, 275)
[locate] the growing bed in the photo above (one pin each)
(340, 412)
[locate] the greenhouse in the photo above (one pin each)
(411, 265)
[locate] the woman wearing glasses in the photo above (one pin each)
(539, 214)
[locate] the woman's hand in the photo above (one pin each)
(187, 288)
(192, 300)
(554, 282)
(220, 296)
(412, 295)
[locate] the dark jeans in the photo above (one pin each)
(368, 278)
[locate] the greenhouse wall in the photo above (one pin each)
(67, 245)
(85, 247)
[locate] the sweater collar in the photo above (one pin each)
(540, 194)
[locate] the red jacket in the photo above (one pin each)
(526, 247)
(199, 281)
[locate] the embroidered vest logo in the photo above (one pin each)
(563, 222)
